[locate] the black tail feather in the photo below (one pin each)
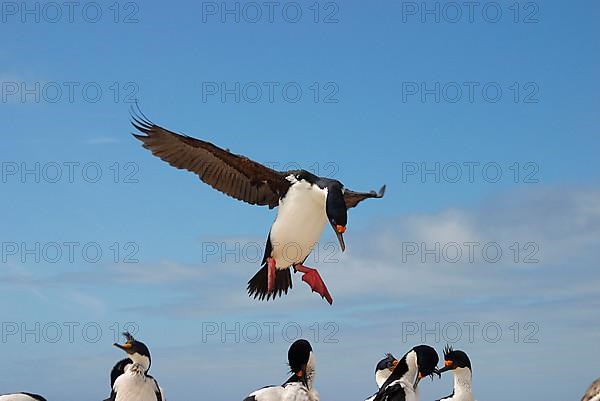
(258, 286)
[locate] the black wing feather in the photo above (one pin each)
(394, 392)
(354, 198)
(157, 392)
(234, 175)
(118, 370)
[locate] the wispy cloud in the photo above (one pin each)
(563, 223)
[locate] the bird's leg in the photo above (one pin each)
(271, 266)
(314, 280)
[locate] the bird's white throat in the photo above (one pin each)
(462, 384)
(413, 368)
(381, 376)
(311, 370)
(140, 362)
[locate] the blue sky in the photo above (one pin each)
(379, 104)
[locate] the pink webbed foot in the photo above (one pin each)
(314, 280)
(271, 266)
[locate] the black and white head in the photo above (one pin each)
(337, 212)
(136, 351)
(427, 360)
(384, 369)
(455, 360)
(302, 362)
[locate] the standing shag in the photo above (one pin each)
(459, 363)
(300, 386)
(383, 370)
(129, 378)
(419, 362)
(307, 203)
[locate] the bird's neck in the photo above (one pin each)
(137, 369)
(462, 384)
(297, 379)
(311, 371)
(140, 363)
(405, 372)
(411, 374)
(310, 379)
(381, 376)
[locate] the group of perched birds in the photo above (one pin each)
(396, 379)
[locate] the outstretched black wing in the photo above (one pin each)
(354, 198)
(234, 175)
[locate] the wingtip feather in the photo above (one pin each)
(140, 121)
(382, 191)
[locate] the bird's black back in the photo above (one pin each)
(118, 370)
(157, 392)
(253, 397)
(397, 373)
(394, 392)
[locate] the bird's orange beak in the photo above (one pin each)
(125, 347)
(339, 233)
